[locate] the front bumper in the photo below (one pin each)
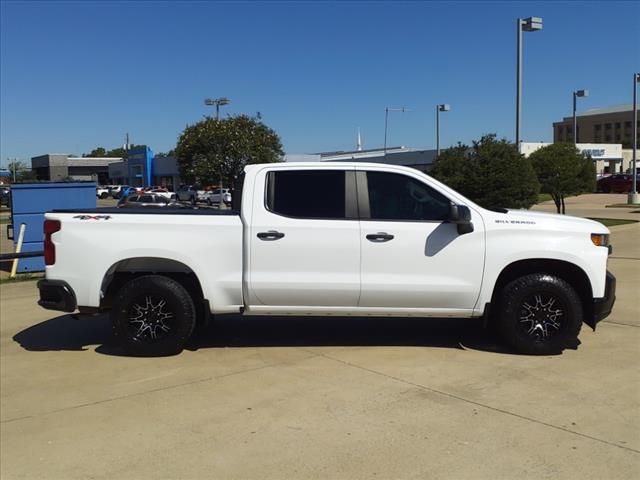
(602, 306)
(56, 295)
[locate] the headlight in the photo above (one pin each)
(600, 239)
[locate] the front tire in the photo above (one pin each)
(153, 315)
(540, 314)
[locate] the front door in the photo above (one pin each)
(304, 239)
(411, 256)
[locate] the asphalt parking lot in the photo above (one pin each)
(279, 398)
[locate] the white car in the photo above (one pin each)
(388, 241)
(163, 193)
(213, 197)
(103, 191)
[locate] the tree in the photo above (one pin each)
(119, 152)
(170, 153)
(492, 173)
(215, 149)
(97, 152)
(20, 171)
(563, 171)
(451, 167)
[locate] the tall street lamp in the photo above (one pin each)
(386, 121)
(531, 24)
(633, 195)
(576, 94)
(439, 108)
(217, 102)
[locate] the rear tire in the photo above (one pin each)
(153, 315)
(539, 314)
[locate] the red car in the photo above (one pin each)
(618, 183)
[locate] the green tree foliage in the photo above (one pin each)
(97, 152)
(215, 149)
(492, 173)
(563, 171)
(119, 152)
(23, 172)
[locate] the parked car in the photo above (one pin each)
(148, 199)
(618, 183)
(391, 241)
(5, 193)
(103, 192)
(163, 192)
(188, 193)
(213, 197)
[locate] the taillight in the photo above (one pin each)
(50, 227)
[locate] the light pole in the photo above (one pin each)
(439, 108)
(386, 121)
(576, 94)
(633, 194)
(531, 24)
(217, 102)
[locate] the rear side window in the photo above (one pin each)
(398, 197)
(146, 199)
(307, 193)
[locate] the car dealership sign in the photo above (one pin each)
(597, 151)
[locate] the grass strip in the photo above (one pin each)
(612, 222)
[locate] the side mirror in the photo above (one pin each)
(461, 215)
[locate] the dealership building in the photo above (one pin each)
(608, 158)
(142, 168)
(601, 125)
(60, 166)
(408, 157)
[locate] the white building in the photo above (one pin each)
(608, 157)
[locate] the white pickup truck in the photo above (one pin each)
(349, 239)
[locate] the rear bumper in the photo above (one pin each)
(56, 295)
(602, 306)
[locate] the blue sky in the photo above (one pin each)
(75, 75)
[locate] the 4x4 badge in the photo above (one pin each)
(93, 217)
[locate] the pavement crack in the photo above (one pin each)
(153, 390)
(620, 323)
(479, 404)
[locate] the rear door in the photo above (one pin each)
(411, 256)
(304, 241)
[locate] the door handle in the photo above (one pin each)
(270, 235)
(379, 237)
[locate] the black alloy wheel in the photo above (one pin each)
(153, 315)
(539, 314)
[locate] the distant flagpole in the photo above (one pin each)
(359, 145)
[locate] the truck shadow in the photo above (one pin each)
(67, 333)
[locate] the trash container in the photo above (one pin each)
(29, 203)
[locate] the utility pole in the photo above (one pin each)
(217, 102)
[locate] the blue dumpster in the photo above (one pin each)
(29, 203)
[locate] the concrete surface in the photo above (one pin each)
(297, 398)
(592, 205)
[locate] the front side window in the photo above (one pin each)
(307, 193)
(398, 197)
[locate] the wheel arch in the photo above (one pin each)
(569, 272)
(127, 269)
